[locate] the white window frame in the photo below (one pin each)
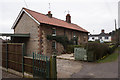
(54, 45)
(55, 32)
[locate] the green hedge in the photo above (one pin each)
(99, 49)
(70, 48)
(112, 48)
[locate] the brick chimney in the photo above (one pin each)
(49, 14)
(102, 31)
(68, 18)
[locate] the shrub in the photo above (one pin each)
(63, 40)
(99, 49)
(112, 48)
(70, 48)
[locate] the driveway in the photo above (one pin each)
(6, 74)
(98, 70)
(65, 68)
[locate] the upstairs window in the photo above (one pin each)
(53, 32)
(74, 34)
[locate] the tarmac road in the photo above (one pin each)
(99, 70)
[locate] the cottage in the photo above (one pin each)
(105, 37)
(38, 26)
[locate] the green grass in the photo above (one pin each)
(111, 57)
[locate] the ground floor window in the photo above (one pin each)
(53, 45)
(106, 37)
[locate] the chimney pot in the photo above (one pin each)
(49, 14)
(68, 18)
(102, 31)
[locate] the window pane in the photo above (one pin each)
(106, 37)
(53, 32)
(53, 45)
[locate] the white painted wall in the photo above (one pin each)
(97, 37)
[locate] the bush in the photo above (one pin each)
(63, 40)
(70, 48)
(99, 49)
(112, 48)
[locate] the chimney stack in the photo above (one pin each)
(102, 31)
(68, 18)
(49, 14)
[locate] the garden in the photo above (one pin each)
(96, 51)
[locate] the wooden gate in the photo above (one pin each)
(43, 66)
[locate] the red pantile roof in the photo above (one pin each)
(42, 18)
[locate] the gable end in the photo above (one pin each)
(19, 16)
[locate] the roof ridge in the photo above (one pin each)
(34, 11)
(46, 15)
(59, 21)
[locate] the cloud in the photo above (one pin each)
(89, 14)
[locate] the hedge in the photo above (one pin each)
(112, 48)
(99, 49)
(70, 48)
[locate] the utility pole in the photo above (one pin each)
(115, 25)
(116, 33)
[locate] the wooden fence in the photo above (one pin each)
(13, 58)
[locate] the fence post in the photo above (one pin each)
(53, 67)
(23, 59)
(33, 64)
(7, 56)
(47, 67)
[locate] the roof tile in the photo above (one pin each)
(42, 18)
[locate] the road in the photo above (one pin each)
(98, 70)
(65, 68)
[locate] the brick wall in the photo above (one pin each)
(27, 25)
(47, 45)
(38, 33)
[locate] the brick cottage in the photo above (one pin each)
(39, 26)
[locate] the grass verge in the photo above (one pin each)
(111, 57)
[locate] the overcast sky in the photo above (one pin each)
(92, 15)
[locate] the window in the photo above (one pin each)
(74, 34)
(53, 32)
(100, 37)
(54, 45)
(93, 38)
(106, 37)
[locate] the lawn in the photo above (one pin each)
(111, 57)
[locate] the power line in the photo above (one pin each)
(115, 25)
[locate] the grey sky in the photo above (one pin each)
(92, 15)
